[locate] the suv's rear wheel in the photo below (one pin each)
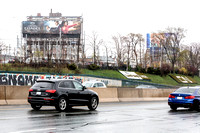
(62, 104)
(36, 106)
(93, 103)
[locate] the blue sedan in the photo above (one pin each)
(187, 97)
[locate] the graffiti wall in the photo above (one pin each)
(30, 79)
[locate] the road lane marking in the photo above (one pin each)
(36, 130)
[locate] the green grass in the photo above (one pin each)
(166, 80)
(104, 73)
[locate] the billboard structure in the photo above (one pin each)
(53, 37)
(51, 27)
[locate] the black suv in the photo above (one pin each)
(61, 93)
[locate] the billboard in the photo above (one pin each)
(52, 27)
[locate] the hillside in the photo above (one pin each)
(166, 80)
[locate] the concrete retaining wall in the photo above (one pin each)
(2, 95)
(107, 94)
(19, 94)
(132, 94)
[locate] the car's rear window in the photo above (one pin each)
(185, 90)
(48, 85)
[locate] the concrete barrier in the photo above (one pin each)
(132, 94)
(16, 94)
(107, 94)
(19, 94)
(2, 95)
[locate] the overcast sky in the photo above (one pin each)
(106, 17)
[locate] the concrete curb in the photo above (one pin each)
(3, 102)
(102, 100)
(19, 101)
(143, 99)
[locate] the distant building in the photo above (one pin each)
(53, 37)
(102, 61)
(155, 52)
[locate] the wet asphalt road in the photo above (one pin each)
(124, 117)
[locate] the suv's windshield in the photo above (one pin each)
(48, 85)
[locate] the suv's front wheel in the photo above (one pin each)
(62, 104)
(36, 106)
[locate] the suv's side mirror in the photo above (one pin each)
(84, 88)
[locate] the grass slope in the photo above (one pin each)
(166, 80)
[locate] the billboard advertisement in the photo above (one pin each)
(51, 27)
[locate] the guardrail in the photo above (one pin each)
(18, 94)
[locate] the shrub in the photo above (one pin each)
(150, 70)
(157, 71)
(138, 68)
(77, 71)
(177, 71)
(93, 67)
(183, 70)
(192, 71)
(57, 70)
(72, 66)
(165, 69)
(7, 67)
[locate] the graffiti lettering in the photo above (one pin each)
(28, 79)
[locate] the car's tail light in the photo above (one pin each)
(170, 96)
(51, 91)
(190, 97)
(30, 90)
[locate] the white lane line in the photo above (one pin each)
(36, 130)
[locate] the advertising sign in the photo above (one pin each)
(183, 79)
(30, 79)
(133, 75)
(52, 27)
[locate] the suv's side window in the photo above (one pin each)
(77, 85)
(198, 92)
(66, 84)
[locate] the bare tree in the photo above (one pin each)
(128, 50)
(135, 40)
(95, 43)
(106, 50)
(195, 55)
(119, 45)
(3, 47)
(171, 41)
(184, 56)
